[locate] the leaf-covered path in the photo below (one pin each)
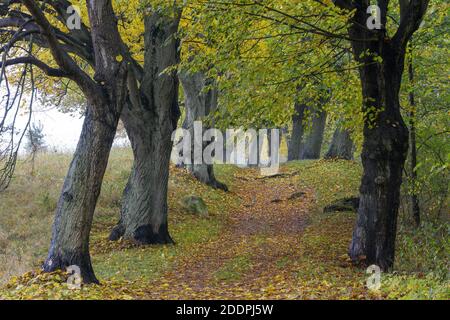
(256, 254)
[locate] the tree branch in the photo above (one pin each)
(52, 72)
(411, 15)
(62, 58)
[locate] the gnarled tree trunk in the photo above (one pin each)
(105, 97)
(199, 104)
(75, 209)
(149, 120)
(313, 143)
(341, 146)
(385, 133)
(383, 157)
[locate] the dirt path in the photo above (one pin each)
(261, 236)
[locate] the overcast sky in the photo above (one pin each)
(61, 130)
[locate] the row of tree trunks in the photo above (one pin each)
(149, 120)
(310, 147)
(201, 99)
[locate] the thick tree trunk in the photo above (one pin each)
(295, 145)
(313, 143)
(150, 119)
(106, 97)
(341, 146)
(144, 203)
(75, 209)
(199, 104)
(384, 149)
(385, 133)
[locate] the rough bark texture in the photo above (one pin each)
(295, 145)
(150, 119)
(313, 143)
(341, 146)
(200, 102)
(385, 133)
(75, 208)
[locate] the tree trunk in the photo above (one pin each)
(384, 149)
(150, 119)
(341, 146)
(295, 145)
(199, 104)
(76, 205)
(313, 143)
(105, 97)
(144, 203)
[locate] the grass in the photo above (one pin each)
(422, 264)
(27, 209)
(234, 269)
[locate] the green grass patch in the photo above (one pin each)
(234, 269)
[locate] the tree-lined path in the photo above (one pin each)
(260, 251)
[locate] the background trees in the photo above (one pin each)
(380, 55)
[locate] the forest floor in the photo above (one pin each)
(265, 239)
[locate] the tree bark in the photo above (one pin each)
(295, 146)
(385, 143)
(76, 205)
(105, 97)
(200, 102)
(149, 120)
(313, 143)
(341, 146)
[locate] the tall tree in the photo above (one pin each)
(201, 99)
(385, 146)
(105, 93)
(150, 118)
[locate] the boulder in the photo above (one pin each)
(194, 205)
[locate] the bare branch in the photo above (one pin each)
(52, 72)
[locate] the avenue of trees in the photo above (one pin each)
(294, 65)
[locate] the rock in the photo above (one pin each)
(345, 204)
(194, 205)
